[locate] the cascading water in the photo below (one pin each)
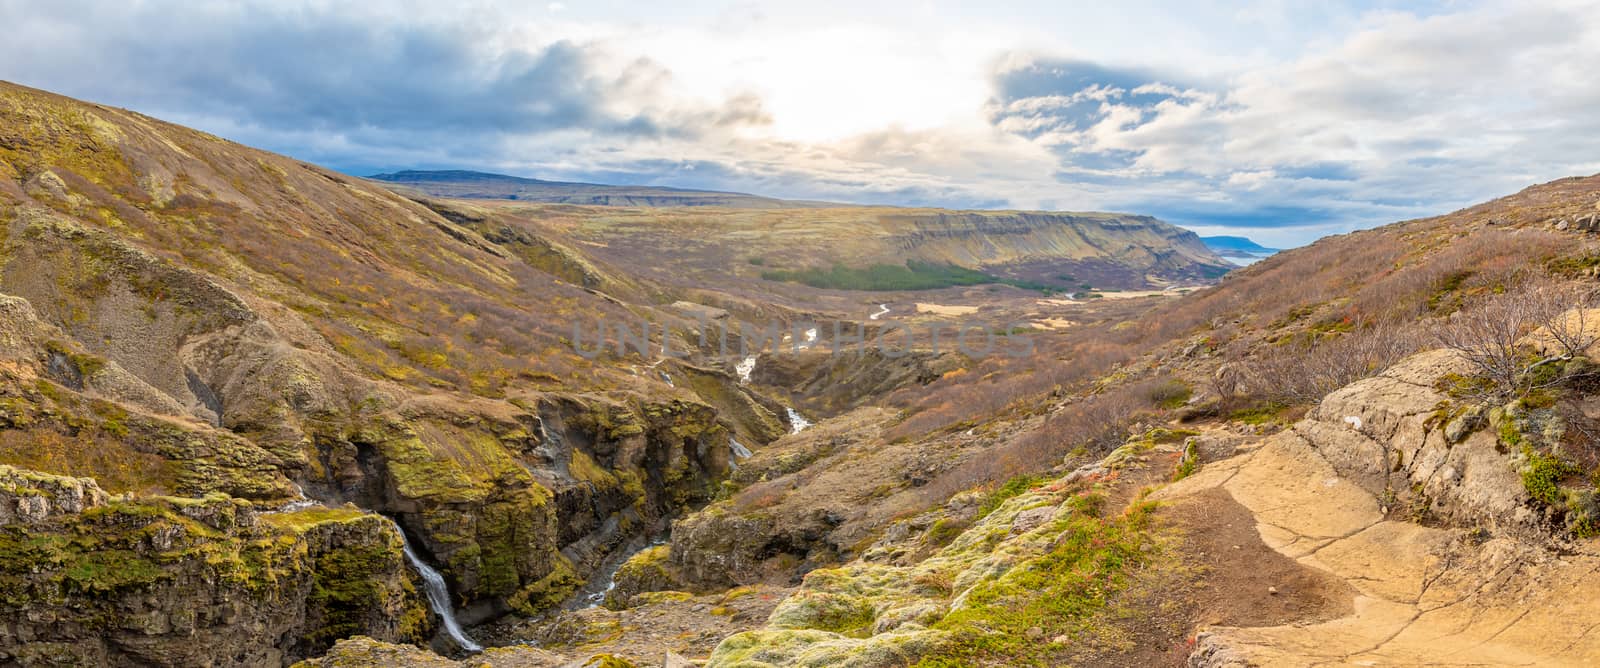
(738, 451)
(300, 501)
(594, 594)
(745, 367)
(797, 422)
(438, 593)
(883, 310)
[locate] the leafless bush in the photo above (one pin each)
(1489, 335)
(1096, 424)
(1304, 371)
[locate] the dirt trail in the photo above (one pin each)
(1423, 595)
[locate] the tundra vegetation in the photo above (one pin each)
(233, 385)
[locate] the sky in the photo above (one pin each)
(1282, 121)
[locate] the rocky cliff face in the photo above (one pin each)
(714, 248)
(90, 580)
(1031, 245)
(1400, 438)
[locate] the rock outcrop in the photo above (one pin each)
(1403, 439)
(90, 580)
(1425, 595)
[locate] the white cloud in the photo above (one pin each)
(1272, 116)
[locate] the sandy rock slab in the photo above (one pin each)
(1427, 596)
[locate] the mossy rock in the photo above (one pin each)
(161, 564)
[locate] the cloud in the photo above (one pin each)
(1343, 120)
(1405, 117)
(352, 79)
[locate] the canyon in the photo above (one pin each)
(256, 412)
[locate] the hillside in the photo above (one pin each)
(254, 412)
(192, 319)
(1238, 248)
(482, 185)
(1301, 397)
(240, 348)
(716, 247)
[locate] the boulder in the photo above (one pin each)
(1033, 518)
(1383, 433)
(29, 497)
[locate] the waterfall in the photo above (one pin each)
(739, 451)
(438, 595)
(299, 503)
(883, 310)
(745, 367)
(797, 422)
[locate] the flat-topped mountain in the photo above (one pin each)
(712, 235)
(484, 185)
(1225, 245)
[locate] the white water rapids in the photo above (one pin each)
(797, 422)
(883, 310)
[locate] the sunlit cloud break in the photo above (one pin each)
(1285, 126)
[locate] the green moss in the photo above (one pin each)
(648, 565)
(1537, 399)
(1010, 489)
(301, 520)
(654, 597)
(86, 364)
(1257, 414)
(346, 589)
(1447, 296)
(1189, 463)
(945, 530)
(1574, 266)
(1056, 593)
(1164, 435)
(105, 571)
(809, 647)
(1542, 474)
(1170, 394)
(583, 467)
(844, 614)
(1509, 434)
(549, 591)
(1295, 314)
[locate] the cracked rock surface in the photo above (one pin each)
(1435, 596)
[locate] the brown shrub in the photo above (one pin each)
(1306, 369)
(1096, 424)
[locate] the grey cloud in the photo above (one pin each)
(333, 70)
(1408, 116)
